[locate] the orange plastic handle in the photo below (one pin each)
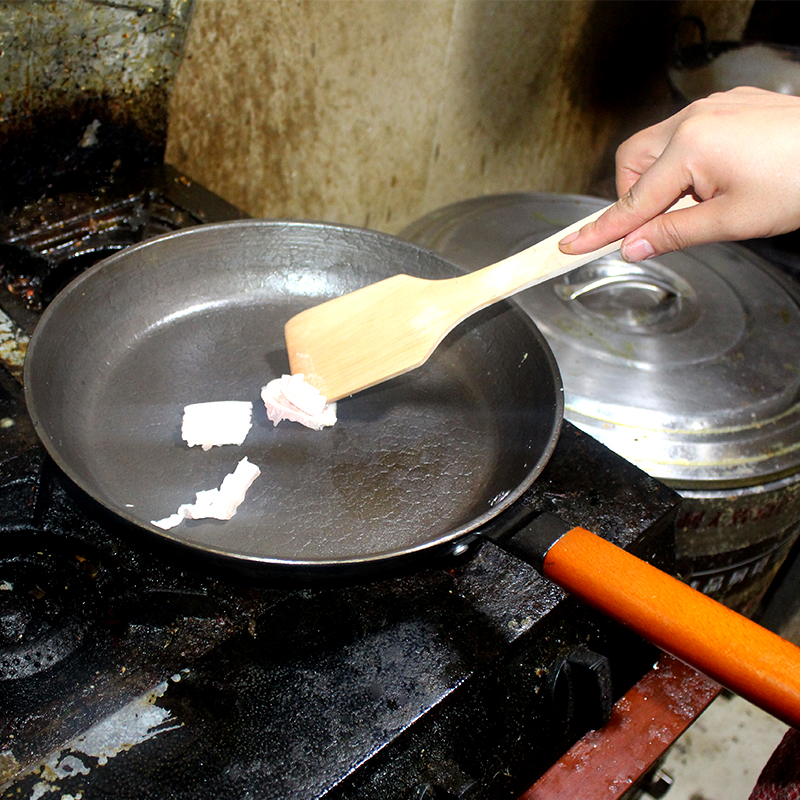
(755, 663)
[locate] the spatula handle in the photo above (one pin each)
(750, 660)
(540, 262)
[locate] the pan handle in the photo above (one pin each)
(755, 663)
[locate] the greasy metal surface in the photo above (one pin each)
(69, 47)
(198, 315)
(102, 620)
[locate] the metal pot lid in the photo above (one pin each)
(687, 364)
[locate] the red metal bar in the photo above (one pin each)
(645, 722)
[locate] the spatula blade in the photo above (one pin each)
(399, 326)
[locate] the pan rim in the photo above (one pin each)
(473, 525)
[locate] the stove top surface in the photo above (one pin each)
(127, 670)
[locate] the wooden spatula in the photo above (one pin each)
(390, 327)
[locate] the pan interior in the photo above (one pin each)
(199, 316)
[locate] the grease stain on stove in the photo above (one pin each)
(140, 720)
(13, 346)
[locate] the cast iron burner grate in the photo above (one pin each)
(467, 678)
(44, 244)
(41, 618)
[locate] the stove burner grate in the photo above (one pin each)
(44, 616)
(47, 650)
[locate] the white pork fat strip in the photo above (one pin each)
(216, 423)
(291, 398)
(216, 503)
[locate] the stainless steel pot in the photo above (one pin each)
(685, 364)
(703, 67)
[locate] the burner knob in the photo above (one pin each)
(581, 690)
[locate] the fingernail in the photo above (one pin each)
(564, 244)
(637, 250)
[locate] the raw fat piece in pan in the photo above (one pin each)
(216, 503)
(291, 398)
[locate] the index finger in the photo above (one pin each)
(653, 193)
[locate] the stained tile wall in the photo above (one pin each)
(374, 112)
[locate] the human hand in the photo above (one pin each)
(738, 152)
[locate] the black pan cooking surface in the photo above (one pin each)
(198, 316)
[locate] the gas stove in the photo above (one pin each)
(127, 670)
